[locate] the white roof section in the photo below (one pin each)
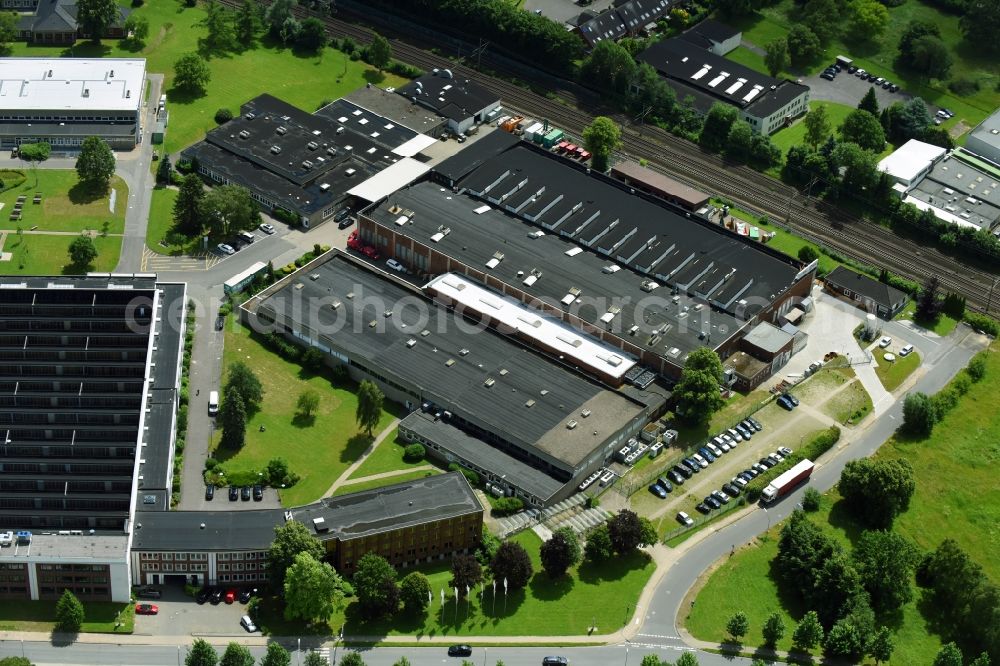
(940, 213)
(414, 145)
(42, 84)
(243, 275)
(389, 179)
(549, 333)
(910, 159)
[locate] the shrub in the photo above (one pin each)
(505, 506)
(404, 70)
(819, 445)
(982, 323)
(468, 473)
(414, 453)
(811, 500)
(976, 368)
(183, 166)
(223, 116)
(964, 86)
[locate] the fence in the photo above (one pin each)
(700, 521)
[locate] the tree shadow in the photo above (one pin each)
(373, 76)
(131, 45)
(788, 597)
(842, 517)
(545, 588)
(301, 420)
(73, 269)
(63, 638)
(356, 445)
(613, 569)
(83, 193)
(185, 95)
(87, 50)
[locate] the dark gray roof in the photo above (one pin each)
(607, 25)
(396, 108)
(637, 14)
(436, 368)
(489, 458)
(438, 92)
(716, 31)
(768, 337)
(474, 156)
(60, 16)
(369, 124)
(223, 530)
(694, 67)
(879, 292)
(378, 510)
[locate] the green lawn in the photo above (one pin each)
(300, 79)
(796, 134)
(317, 449)
(966, 443)
(605, 594)
(748, 58)
(386, 481)
(35, 254)
(66, 205)
(942, 326)
(849, 406)
(161, 219)
(893, 374)
(878, 55)
(387, 457)
(99, 616)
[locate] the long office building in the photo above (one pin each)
(527, 403)
(64, 100)
(88, 402)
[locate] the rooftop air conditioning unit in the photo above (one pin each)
(281, 129)
(275, 149)
(312, 145)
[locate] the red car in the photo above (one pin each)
(146, 609)
(230, 596)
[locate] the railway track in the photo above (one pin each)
(810, 217)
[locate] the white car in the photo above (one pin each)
(267, 228)
(225, 249)
(248, 624)
(885, 342)
(905, 351)
(684, 519)
(737, 437)
(394, 265)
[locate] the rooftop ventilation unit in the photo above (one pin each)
(281, 129)
(495, 261)
(319, 524)
(306, 164)
(489, 382)
(324, 187)
(250, 116)
(275, 149)
(411, 343)
(530, 403)
(611, 268)
(312, 145)
(244, 134)
(585, 413)
(649, 285)
(350, 172)
(572, 424)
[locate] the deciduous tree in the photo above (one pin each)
(885, 562)
(35, 152)
(738, 625)
(315, 659)
(8, 29)
(773, 629)
(96, 163)
(809, 632)
(718, 121)
(882, 646)
(625, 531)
(290, 540)
(307, 403)
(864, 129)
(877, 490)
(376, 587)
(220, 32)
(82, 251)
(351, 658)
(247, 24)
(602, 137)
(697, 392)
(818, 127)
(598, 547)
(824, 19)
(559, 553)
(380, 52)
(739, 141)
(776, 56)
(868, 18)
(930, 56)
(229, 209)
(609, 67)
(237, 655)
(201, 653)
(414, 591)
(312, 589)
(512, 563)
(369, 409)
(276, 655)
(981, 24)
(466, 572)
(312, 35)
(844, 641)
(277, 13)
(95, 16)
(948, 655)
(919, 414)
(191, 73)
(803, 45)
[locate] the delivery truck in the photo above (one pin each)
(787, 481)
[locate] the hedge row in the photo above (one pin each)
(819, 445)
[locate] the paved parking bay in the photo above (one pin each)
(564, 10)
(849, 89)
(180, 615)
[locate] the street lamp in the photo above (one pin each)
(298, 652)
(768, 519)
(626, 652)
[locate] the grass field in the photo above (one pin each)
(878, 55)
(318, 449)
(893, 374)
(796, 134)
(161, 219)
(748, 58)
(387, 457)
(849, 406)
(942, 326)
(386, 481)
(967, 443)
(604, 594)
(300, 79)
(99, 616)
(66, 206)
(49, 255)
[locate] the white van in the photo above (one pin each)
(213, 403)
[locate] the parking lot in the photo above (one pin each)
(848, 89)
(564, 10)
(180, 615)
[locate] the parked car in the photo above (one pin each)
(658, 490)
(148, 593)
(852, 69)
(682, 470)
(258, 493)
(246, 593)
(757, 425)
(555, 661)
(757, 467)
(209, 492)
(893, 87)
(949, 112)
(676, 477)
(690, 465)
(203, 595)
(742, 429)
(215, 596)
(245, 493)
(706, 454)
(394, 265)
(230, 596)
(716, 451)
(712, 502)
(727, 445)
(701, 507)
(224, 248)
(860, 73)
(665, 484)
(784, 403)
(731, 489)
(684, 519)
(767, 462)
(267, 228)
(886, 84)
(720, 496)
(785, 451)
(698, 458)
(775, 459)
(879, 81)
(735, 435)
(248, 624)
(906, 350)
(746, 477)
(346, 222)
(694, 462)
(234, 493)
(752, 472)
(459, 651)
(342, 214)
(146, 609)
(778, 455)
(791, 398)
(871, 77)
(827, 75)
(220, 323)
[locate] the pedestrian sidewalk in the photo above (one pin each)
(342, 479)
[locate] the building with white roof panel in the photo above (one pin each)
(64, 100)
(911, 161)
(984, 141)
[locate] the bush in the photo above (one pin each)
(404, 70)
(414, 453)
(285, 216)
(505, 506)
(977, 367)
(223, 116)
(819, 445)
(982, 323)
(811, 500)
(964, 86)
(468, 473)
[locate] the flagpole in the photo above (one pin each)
(494, 610)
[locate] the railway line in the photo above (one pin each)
(808, 216)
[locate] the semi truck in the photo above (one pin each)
(786, 481)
